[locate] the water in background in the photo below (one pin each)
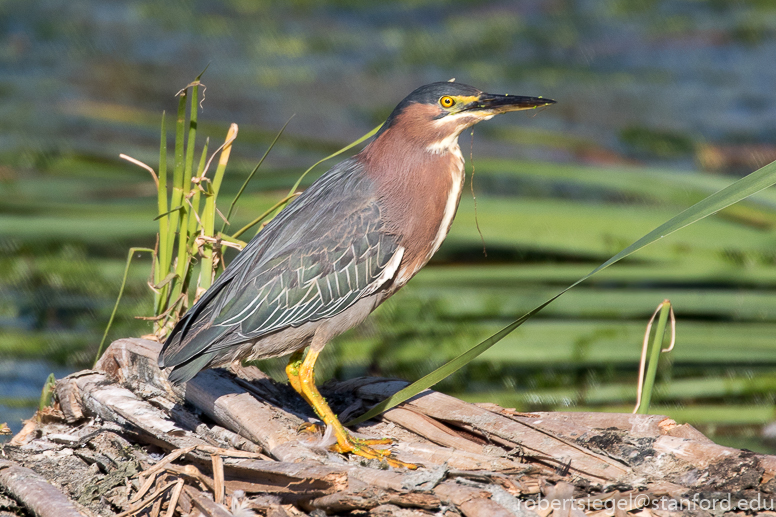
(20, 386)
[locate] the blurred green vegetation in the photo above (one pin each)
(65, 235)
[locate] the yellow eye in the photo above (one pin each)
(447, 102)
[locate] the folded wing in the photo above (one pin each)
(327, 250)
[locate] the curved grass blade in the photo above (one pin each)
(132, 251)
(263, 216)
(168, 212)
(47, 392)
(346, 148)
(741, 189)
(280, 205)
(253, 172)
(645, 391)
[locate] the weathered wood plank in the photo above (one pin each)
(98, 396)
(207, 506)
(534, 442)
(220, 397)
(476, 458)
(34, 492)
(472, 502)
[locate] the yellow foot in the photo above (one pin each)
(362, 447)
(301, 375)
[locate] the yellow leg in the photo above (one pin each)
(292, 371)
(301, 374)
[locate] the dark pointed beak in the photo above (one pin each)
(503, 103)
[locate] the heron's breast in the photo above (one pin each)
(436, 215)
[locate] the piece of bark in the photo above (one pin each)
(535, 442)
(205, 505)
(27, 433)
(98, 396)
(231, 406)
(431, 429)
(715, 465)
(542, 444)
(572, 425)
(362, 496)
(174, 497)
(133, 361)
(218, 478)
(431, 454)
(34, 492)
(257, 476)
(671, 428)
(472, 502)
(69, 397)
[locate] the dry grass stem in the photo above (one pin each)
(218, 478)
(143, 165)
(148, 500)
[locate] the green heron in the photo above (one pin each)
(350, 241)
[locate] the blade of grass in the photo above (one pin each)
(164, 222)
(299, 181)
(346, 148)
(194, 221)
(177, 175)
(263, 216)
(645, 394)
(209, 213)
(186, 215)
(183, 257)
(741, 189)
(176, 200)
(250, 176)
(168, 212)
(132, 251)
(47, 393)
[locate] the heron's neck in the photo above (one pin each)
(418, 186)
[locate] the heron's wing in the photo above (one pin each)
(323, 253)
(317, 280)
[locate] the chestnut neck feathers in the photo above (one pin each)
(418, 174)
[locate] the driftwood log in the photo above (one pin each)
(120, 440)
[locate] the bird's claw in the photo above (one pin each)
(359, 446)
(362, 447)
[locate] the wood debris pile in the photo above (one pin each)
(121, 441)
